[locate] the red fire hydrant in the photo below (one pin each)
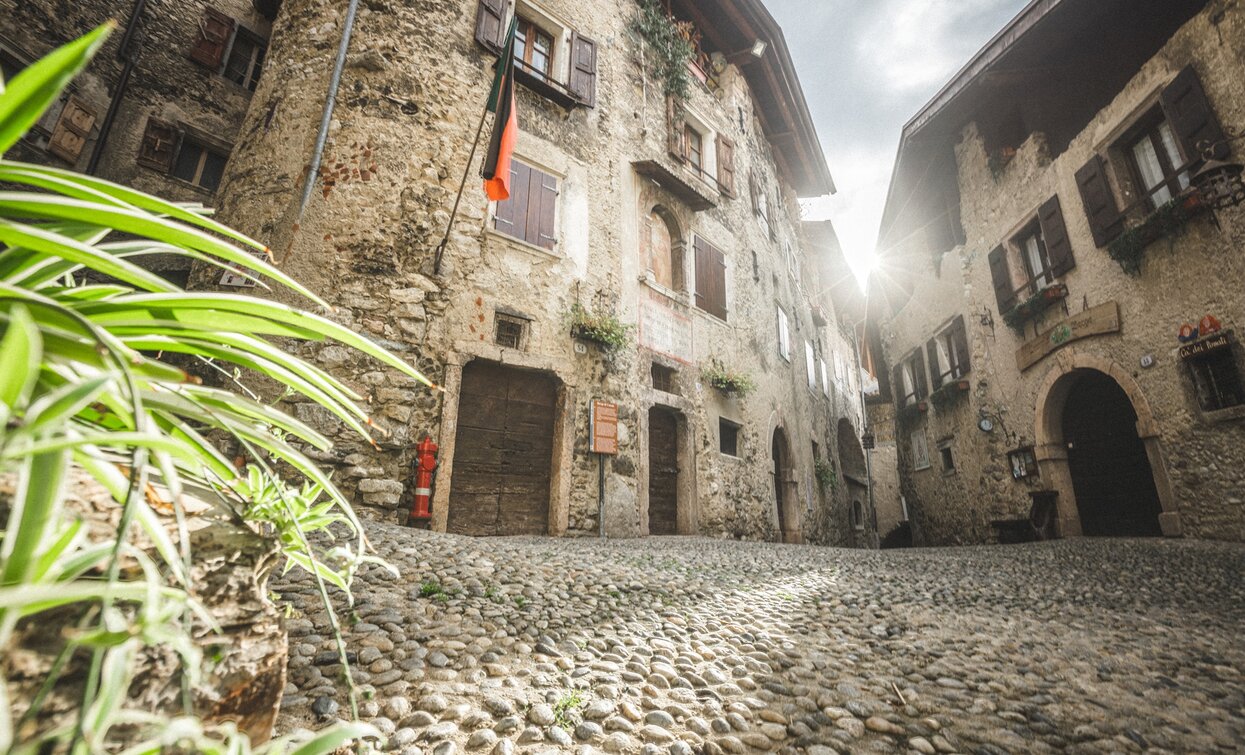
(425, 466)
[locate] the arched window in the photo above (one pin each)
(664, 245)
(858, 516)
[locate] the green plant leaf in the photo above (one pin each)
(32, 91)
(36, 504)
(331, 739)
(20, 351)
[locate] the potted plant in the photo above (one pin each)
(1029, 309)
(727, 381)
(950, 393)
(601, 328)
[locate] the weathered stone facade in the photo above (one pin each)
(407, 110)
(1020, 387)
(202, 107)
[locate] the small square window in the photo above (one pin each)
(246, 60)
(948, 458)
(728, 437)
(1023, 463)
(664, 378)
(199, 165)
(1216, 379)
(510, 331)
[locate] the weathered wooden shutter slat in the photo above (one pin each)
(546, 236)
(534, 197)
(1105, 220)
(675, 143)
(1055, 234)
(935, 369)
(583, 81)
(158, 146)
(959, 334)
(918, 370)
(1191, 116)
(719, 283)
(520, 197)
(71, 131)
(710, 278)
(726, 165)
(503, 216)
(489, 30)
(701, 272)
(1002, 279)
(215, 29)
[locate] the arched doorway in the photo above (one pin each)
(1111, 474)
(786, 498)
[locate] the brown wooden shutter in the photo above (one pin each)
(931, 350)
(726, 165)
(215, 28)
(1055, 234)
(70, 133)
(710, 278)
(918, 373)
(504, 215)
(999, 274)
(755, 190)
(675, 143)
(583, 81)
(897, 384)
(1191, 116)
(546, 187)
(1105, 220)
(158, 146)
(959, 333)
(519, 201)
(489, 29)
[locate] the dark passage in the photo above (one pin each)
(663, 472)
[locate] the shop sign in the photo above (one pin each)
(665, 331)
(1104, 318)
(1220, 340)
(603, 427)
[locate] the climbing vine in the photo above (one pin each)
(669, 47)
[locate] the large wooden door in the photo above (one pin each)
(663, 472)
(503, 452)
(1111, 474)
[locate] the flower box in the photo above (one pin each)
(950, 393)
(912, 412)
(1030, 309)
(1167, 221)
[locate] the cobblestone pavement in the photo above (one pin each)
(683, 645)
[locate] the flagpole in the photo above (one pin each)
(436, 263)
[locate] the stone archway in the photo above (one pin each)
(786, 497)
(1052, 444)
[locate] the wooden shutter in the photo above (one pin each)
(755, 191)
(1191, 116)
(959, 334)
(726, 165)
(771, 217)
(583, 82)
(70, 133)
(935, 370)
(489, 29)
(1105, 220)
(675, 143)
(1055, 234)
(710, 278)
(158, 146)
(545, 189)
(215, 28)
(897, 384)
(504, 215)
(918, 374)
(999, 274)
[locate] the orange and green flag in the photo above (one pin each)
(496, 169)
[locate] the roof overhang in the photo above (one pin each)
(733, 26)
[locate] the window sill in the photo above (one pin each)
(678, 182)
(1231, 414)
(735, 459)
(522, 245)
(710, 316)
(547, 88)
(678, 297)
(925, 468)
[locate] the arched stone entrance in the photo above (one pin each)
(786, 498)
(1098, 446)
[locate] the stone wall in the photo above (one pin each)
(1194, 273)
(407, 111)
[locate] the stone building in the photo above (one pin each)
(1056, 303)
(677, 219)
(160, 106)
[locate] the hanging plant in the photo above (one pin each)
(912, 412)
(1029, 309)
(949, 394)
(823, 470)
(601, 328)
(731, 383)
(669, 47)
(1167, 221)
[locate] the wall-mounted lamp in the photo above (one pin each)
(758, 48)
(987, 319)
(1220, 183)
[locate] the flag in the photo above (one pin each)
(496, 170)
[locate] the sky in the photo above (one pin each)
(866, 67)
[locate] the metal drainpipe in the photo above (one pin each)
(123, 82)
(326, 115)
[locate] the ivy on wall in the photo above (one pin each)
(669, 47)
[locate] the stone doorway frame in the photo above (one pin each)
(688, 515)
(563, 430)
(791, 515)
(1052, 451)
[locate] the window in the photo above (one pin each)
(947, 456)
(1023, 463)
(530, 214)
(1216, 378)
(246, 59)
(510, 331)
(665, 250)
(784, 336)
(533, 47)
(198, 164)
(903, 508)
(948, 354)
(1033, 258)
(1154, 157)
(810, 362)
(825, 379)
(551, 58)
(910, 380)
(793, 265)
(728, 437)
(920, 451)
(710, 278)
(760, 204)
(858, 516)
(664, 378)
(695, 148)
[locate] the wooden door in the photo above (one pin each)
(779, 451)
(663, 472)
(1111, 474)
(503, 452)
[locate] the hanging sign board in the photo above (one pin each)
(1104, 318)
(603, 426)
(1221, 340)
